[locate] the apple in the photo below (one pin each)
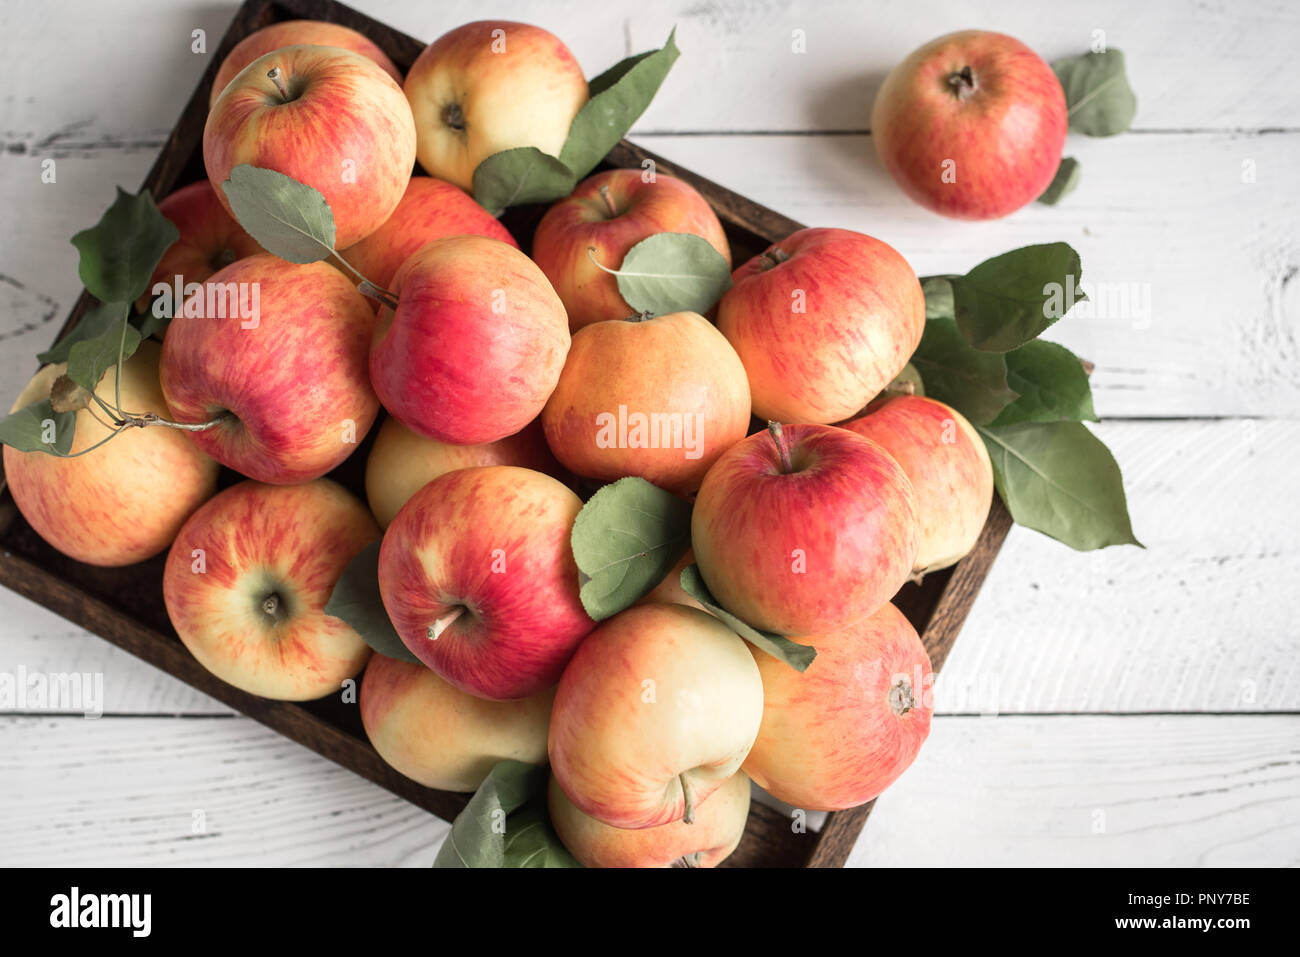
(804, 529)
(971, 125)
(210, 238)
(661, 398)
(287, 369)
(718, 827)
(605, 216)
(670, 591)
(823, 321)
(289, 33)
(125, 501)
(401, 462)
(326, 117)
(442, 737)
(948, 466)
(429, 209)
(246, 583)
(476, 344)
(655, 712)
(489, 86)
(841, 732)
(478, 578)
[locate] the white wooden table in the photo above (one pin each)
(1147, 701)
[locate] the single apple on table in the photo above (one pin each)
(604, 217)
(323, 116)
(247, 580)
(659, 398)
(971, 125)
(476, 344)
(948, 466)
(279, 352)
(490, 86)
(125, 501)
(823, 321)
(838, 734)
(657, 709)
(401, 462)
(289, 33)
(478, 577)
(804, 529)
(430, 209)
(442, 737)
(708, 841)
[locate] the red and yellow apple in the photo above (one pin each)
(604, 217)
(430, 209)
(125, 501)
(280, 350)
(655, 712)
(210, 238)
(823, 321)
(490, 86)
(288, 33)
(660, 398)
(478, 577)
(442, 737)
(841, 732)
(948, 466)
(247, 580)
(708, 841)
(804, 529)
(476, 344)
(670, 591)
(971, 125)
(329, 118)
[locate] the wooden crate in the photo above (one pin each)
(125, 605)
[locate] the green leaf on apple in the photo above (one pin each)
(505, 823)
(627, 537)
(287, 218)
(27, 429)
(356, 600)
(149, 323)
(1063, 183)
(972, 382)
(673, 272)
(1061, 480)
(89, 359)
(797, 656)
(1051, 383)
(94, 322)
(618, 97)
(120, 252)
(1097, 92)
(521, 175)
(1005, 301)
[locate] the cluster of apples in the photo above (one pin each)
(507, 380)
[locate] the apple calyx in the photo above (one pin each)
(688, 799)
(782, 446)
(453, 117)
(773, 256)
(962, 83)
(442, 624)
(901, 699)
(645, 316)
(273, 607)
(689, 860)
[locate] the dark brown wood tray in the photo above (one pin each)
(125, 605)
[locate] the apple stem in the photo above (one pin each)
(273, 75)
(149, 418)
(689, 860)
(442, 624)
(368, 288)
(609, 203)
(962, 83)
(688, 799)
(782, 449)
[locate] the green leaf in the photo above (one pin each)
(530, 841)
(1058, 478)
(119, 253)
(1052, 385)
(938, 297)
(627, 537)
(94, 322)
(972, 382)
(618, 97)
(1097, 93)
(797, 656)
(478, 835)
(1005, 301)
(1063, 183)
(356, 600)
(89, 359)
(673, 272)
(148, 324)
(27, 429)
(287, 218)
(521, 175)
